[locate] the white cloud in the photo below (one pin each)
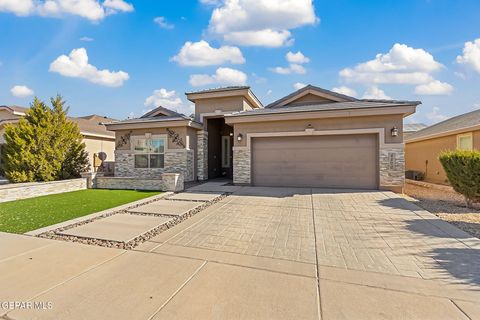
(345, 90)
(476, 106)
(262, 38)
(435, 115)
(375, 93)
(200, 54)
(298, 57)
(90, 9)
(76, 65)
(269, 92)
(21, 91)
(471, 55)
(401, 65)
(118, 5)
(299, 85)
(260, 23)
(86, 39)
(293, 68)
(296, 60)
(167, 99)
(211, 2)
(162, 22)
(223, 76)
(434, 88)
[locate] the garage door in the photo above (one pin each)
(341, 161)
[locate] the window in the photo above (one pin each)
(465, 142)
(225, 152)
(149, 153)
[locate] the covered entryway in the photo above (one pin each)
(337, 161)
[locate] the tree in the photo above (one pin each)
(44, 146)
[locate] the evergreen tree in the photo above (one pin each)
(44, 146)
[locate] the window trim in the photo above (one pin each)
(226, 161)
(133, 138)
(465, 135)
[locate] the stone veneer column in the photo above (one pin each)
(202, 155)
(241, 165)
(392, 167)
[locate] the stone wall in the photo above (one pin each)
(16, 191)
(392, 167)
(128, 183)
(241, 165)
(202, 155)
(178, 161)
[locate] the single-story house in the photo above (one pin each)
(99, 142)
(411, 128)
(310, 138)
(423, 147)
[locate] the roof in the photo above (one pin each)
(164, 111)
(334, 106)
(230, 88)
(88, 125)
(458, 123)
(413, 127)
(307, 88)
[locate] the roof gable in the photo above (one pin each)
(310, 94)
(161, 112)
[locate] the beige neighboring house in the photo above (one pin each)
(95, 135)
(310, 138)
(423, 147)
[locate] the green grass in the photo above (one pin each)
(24, 215)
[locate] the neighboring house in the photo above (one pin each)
(98, 140)
(310, 138)
(423, 147)
(411, 128)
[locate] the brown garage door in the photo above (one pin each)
(342, 161)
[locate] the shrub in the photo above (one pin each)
(463, 172)
(44, 146)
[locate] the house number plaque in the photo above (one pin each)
(392, 161)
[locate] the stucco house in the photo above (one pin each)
(423, 147)
(312, 137)
(96, 137)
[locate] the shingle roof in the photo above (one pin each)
(220, 89)
(16, 108)
(463, 121)
(167, 112)
(359, 104)
(413, 127)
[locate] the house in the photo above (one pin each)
(411, 128)
(423, 147)
(99, 142)
(310, 138)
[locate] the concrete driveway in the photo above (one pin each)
(260, 253)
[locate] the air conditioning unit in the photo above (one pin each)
(414, 175)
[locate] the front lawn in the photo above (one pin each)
(21, 216)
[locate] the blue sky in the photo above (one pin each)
(120, 58)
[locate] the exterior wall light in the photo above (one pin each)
(394, 132)
(231, 134)
(240, 137)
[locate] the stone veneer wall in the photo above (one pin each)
(391, 166)
(128, 183)
(241, 165)
(16, 191)
(178, 161)
(202, 155)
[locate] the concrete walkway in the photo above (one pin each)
(260, 253)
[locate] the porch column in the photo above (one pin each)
(202, 155)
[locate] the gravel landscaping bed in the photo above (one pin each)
(447, 205)
(54, 234)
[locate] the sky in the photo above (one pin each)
(121, 58)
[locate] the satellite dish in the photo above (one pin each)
(102, 156)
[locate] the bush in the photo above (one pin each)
(463, 172)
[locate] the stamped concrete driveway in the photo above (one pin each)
(260, 253)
